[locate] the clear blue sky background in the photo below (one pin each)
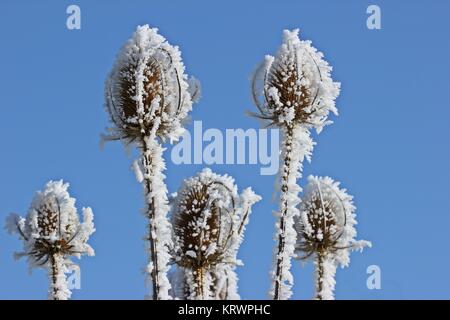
(389, 146)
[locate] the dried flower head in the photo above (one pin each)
(295, 86)
(327, 221)
(147, 91)
(52, 233)
(326, 231)
(209, 219)
(203, 219)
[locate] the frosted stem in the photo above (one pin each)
(156, 210)
(54, 275)
(283, 213)
(325, 272)
(58, 287)
(200, 284)
(320, 276)
(297, 145)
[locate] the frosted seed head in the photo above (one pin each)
(297, 85)
(199, 220)
(52, 226)
(148, 92)
(327, 220)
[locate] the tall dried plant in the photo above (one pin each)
(209, 218)
(52, 233)
(326, 231)
(293, 91)
(148, 97)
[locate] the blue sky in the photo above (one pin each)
(389, 146)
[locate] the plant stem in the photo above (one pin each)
(58, 287)
(53, 274)
(283, 212)
(151, 214)
(319, 275)
(200, 283)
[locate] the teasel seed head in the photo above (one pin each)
(295, 86)
(203, 220)
(327, 222)
(148, 92)
(209, 218)
(52, 226)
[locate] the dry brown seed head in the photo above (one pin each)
(48, 217)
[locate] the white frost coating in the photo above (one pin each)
(324, 278)
(225, 276)
(209, 218)
(298, 146)
(198, 290)
(138, 171)
(148, 81)
(194, 89)
(52, 233)
(177, 279)
(294, 91)
(159, 228)
(59, 289)
(297, 85)
(326, 229)
(225, 282)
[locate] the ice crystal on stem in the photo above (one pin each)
(295, 92)
(326, 231)
(148, 97)
(52, 234)
(209, 221)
